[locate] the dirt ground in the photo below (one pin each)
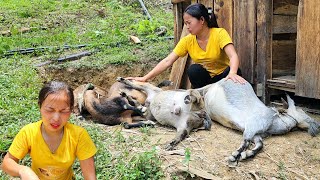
(295, 155)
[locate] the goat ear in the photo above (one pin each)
(290, 102)
(187, 99)
(285, 104)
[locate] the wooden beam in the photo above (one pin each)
(178, 1)
(284, 24)
(285, 7)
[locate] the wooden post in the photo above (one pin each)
(223, 9)
(178, 8)
(308, 49)
(264, 47)
(244, 36)
(179, 66)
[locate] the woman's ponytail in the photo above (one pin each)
(198, 10)
(212, 22)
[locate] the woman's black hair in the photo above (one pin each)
(198, 10)
(54, 87)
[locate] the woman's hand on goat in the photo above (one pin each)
(141, 79)
(236, 78)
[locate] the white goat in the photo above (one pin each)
(236, 106)
(182, 109)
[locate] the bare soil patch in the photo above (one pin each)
(102, 77)
(295, 155)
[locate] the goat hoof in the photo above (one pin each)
(81, 118)
(232, 163)
(126, 125)
(89, 86)
(235, 154)
(123, 94)
(243, 156)
(148, 125)
(231, 159)
(169, 147)
(144, 110)
(119, 79)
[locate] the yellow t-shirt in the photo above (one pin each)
(214, 59)
(76, 143)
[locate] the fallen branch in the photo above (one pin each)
(174, 152)
(41, 49)
(57, 48)
(67, 58)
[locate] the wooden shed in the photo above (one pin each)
(278, 43)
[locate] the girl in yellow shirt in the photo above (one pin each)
(209, 46)
(52, 142)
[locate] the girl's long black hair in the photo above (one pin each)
(198, 10)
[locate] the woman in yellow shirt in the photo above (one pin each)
(209, 46)
(53, 143)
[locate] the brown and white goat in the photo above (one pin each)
(112, 108)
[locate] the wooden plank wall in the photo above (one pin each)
(308, 49)
(244, 27)
(284, 30)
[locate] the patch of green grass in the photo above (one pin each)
(19, 84)
(98, 24)
(122, 157)
(282, 171)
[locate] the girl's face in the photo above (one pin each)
(55, 111)
(193, 25)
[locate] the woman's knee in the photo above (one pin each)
(198, 75)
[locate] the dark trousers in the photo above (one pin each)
(200, 77)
